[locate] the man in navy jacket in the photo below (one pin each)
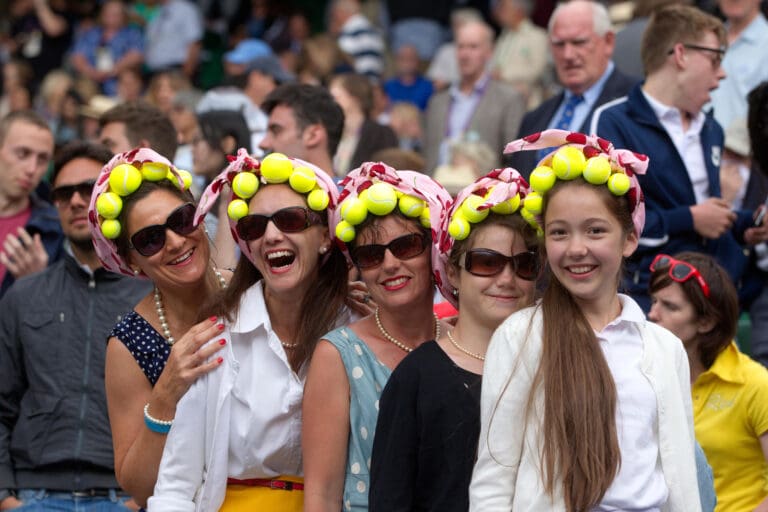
(663, 118)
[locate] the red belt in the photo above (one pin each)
(283, 485)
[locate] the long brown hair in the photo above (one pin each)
(580, 444)
(319, 309)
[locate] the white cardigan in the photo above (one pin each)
(507, 475)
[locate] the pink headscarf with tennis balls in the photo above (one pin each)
(503, 184)
(632, 163)
(106, 249)
(244, 162)
(410, 183)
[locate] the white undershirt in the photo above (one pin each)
(687, 142)
(640, 484)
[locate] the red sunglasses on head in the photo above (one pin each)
(679, 271)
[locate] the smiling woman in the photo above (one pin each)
(385, 219)
(156, 352)
(235, 443)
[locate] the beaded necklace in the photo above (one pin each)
(392, 339)
(160, 308)
(462, 349)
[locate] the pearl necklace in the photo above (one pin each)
(160, 308)
(462, 349)
(392, 339)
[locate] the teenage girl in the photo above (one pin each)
(429, 414)
(585, 405)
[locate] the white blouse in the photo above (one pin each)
(242, 420)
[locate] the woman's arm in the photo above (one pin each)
(137, 449)
(325, 430)
(763, 506)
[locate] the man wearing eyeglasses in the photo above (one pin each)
(30, 236)
(55, 441)
(682, 52)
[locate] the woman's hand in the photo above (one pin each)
(10, 503)
(359, 300)
(191, 358)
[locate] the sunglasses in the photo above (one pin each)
(487, 263)
(63, 194)
(293, 219)
(680, 271)
(402, 248)
(149, 240)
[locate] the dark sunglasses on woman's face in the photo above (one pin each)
(487, 263)
(149, 240)
(63, 194)
(679, 271)
(402, 248)
(288, 220)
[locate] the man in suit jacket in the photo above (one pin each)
(476, 104)
(581, 41)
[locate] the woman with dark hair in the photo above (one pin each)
(385, 220)
(429, 414)
(694, 297)
(236, 438)
(145, 228)
(362, 135)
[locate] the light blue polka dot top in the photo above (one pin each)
(367, 377)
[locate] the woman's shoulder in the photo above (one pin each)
(135, 332)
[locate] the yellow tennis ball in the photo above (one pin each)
(318, 199)
(533, 202)
(542, 179)
(507, 207)
(124, 179)
(109, 205)
(245, 184)
(154, 171)
(303, 179)
(110, 228)
(458, 228)
(529, 217)
(381, 199)
(353, 210)
(424, 218)
(469, 209)
(598, 170)
(345, 231)
(276, 168)
(568, 162)
(237, 209)
(410, 206)
(186, 178)
(363, 196)
(618, 183)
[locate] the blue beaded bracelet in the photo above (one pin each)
(155, 425)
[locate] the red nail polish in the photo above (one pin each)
(222, 341)
(213, 318)
(221, 327)
(220, 360)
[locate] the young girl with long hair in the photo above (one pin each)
(429, 413)
(585, 405)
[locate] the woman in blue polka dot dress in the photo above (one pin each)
(156, 352)
(386, 219)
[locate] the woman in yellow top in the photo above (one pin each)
(694, 297)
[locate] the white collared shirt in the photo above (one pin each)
(640, 483)
(687, 142)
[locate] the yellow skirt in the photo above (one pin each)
(245, 498)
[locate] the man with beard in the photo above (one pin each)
(55, 441)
